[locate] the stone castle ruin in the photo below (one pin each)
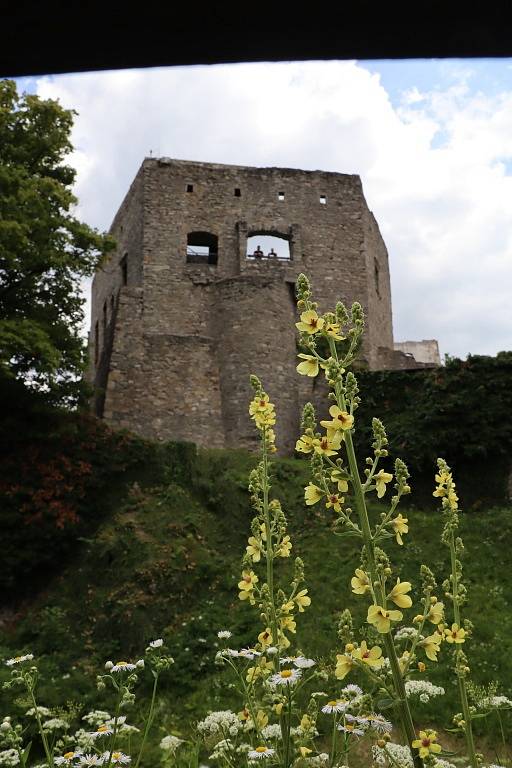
(200, 293)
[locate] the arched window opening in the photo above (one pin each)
(124, 269)
(202, 248)
(266, 246)
(96, 343)
(104, 316)
(376, 276)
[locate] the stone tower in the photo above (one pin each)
(187, 306)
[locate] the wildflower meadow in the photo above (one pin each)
(359, 703)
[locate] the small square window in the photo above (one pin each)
(323, 200)
(190, 187)
(237, 192)
(280, 196)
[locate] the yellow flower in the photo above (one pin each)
(305, 444)
(372, 656)
(344, 664)
(431, 646)
(302, 599)
(335, 501)
(341, 420)
(427, 743)
(328, 444)
(333, 330)
(285, 548)
(309, 367)
(265, 419)
(244, 715)
(287, 607)
(403, 661)
(435, 614)
(261, 719)
(310, 322)
(360, 582)
(246, 586)
(262, 669)
(253, 549)
(260, 404)
(265, 638)
(400, 526)
(399, 594)
(278, 708)
(381, 618)
(381, 478)
(289, 623)
(455, 634)
(339, 477)
(312, 494)
(305, 751)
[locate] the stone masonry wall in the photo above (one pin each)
(186, 336)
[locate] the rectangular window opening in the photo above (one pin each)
(323, 200)
(280, 196)
(237, 192)
(190, 187)
(124, 269)
(96, 343)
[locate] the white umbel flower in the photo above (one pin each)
(286, 677)
(156, 643)
(303, 663)
(224, 634)
(260, 753)
(170, 743)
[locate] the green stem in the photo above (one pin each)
(287, 729)
(114, 735)
(468, 728)
(149, 721)
(269, 553)
(47, 750)
(501, 730)
(333, 743)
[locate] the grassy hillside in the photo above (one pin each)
(164, 560)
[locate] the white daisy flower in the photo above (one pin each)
(67, 758)
(379, 723)
(118, 758)
(260, 752)
(123, 666)
(19, 659)
(224, 634)
(352, 690)
(90, 761)
(303, 663)
(286, 677)
(156, 643)
(351, 729)
(335, 705)
(102, 730)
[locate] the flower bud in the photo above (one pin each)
(349, 647)
(108, 666)
(421, 666)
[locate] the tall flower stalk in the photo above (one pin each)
(455, 591)
(330, 342)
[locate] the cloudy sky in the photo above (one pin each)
(431, 140)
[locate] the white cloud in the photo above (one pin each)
(434, 167)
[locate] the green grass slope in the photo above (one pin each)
(165, 562)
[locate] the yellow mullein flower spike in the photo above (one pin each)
(310, 322)
(285, 548)
(329, 444)
(334, 501)
(305, 444)
(253, 549)
(302, 599)
(381, 618)
(381, 478)
(344, 663)
(333, 330)
(370, 656)
(339, 477)
(436, 612)
(340, 420)
(455, 635)
(309, 367)
(360, 582)
(427, 743)
(400, 526)
(399, 594)
(431, 646)
(246, 586)
(312, 494)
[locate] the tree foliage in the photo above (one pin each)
(44, 249)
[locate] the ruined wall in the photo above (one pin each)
(425, 351)
(187, 335)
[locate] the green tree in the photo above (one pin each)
(44, 250)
